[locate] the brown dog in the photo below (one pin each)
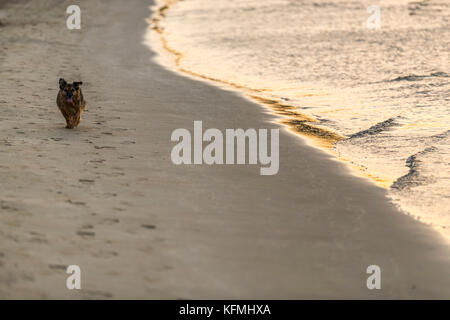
(71, 102)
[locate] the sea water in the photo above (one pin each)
(385, 90)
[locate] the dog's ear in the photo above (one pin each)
(77, 84)
(62, 83)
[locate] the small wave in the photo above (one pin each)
(323, 4)
(425, 7)
(379, 127)
(413, 177)
(441, 136)
(413, 77)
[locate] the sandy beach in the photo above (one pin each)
(107, 197)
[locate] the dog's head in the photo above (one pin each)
(70, 91)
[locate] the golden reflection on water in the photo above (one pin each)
(296, 122)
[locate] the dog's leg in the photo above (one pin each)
(77, 118)
(69, 121)
(67, 118)
(73, 115)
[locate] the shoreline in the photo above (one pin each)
(107, 197)
(295, 121)
(301, 125)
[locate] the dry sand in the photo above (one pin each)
(107, 197)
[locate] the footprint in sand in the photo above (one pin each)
(110, 221)
(148, 226)
(77, 203)
(98, 161)
(110, 194)
(6, 206)
(86, 234)
(125, 157)
(94, 294)
(105, 254)
(58, 267)
(87, 181)
(114, 174)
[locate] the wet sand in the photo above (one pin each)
(107, 197)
